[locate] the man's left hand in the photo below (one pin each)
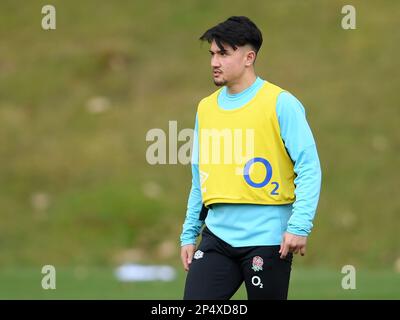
(292, 243)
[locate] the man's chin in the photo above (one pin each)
(220, 83)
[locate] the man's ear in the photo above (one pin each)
(250, 58)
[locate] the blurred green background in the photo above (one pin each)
(76, 104)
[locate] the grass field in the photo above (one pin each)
(100, 283)
(76, 104)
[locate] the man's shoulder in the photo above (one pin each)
(284, 96)
(270, 87)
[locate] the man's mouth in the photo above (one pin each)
(216, 73)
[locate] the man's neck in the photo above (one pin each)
(244, 82)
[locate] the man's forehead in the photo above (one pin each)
(216, 48)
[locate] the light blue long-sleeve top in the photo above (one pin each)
(242, 225)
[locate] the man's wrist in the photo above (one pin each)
(185, 243)
(297, 231)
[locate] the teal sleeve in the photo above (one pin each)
(299, 142)
(192, 225)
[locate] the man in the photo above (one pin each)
(259, 210)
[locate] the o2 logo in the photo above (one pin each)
(267, 178)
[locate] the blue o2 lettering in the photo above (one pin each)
(247, 167)
(273, 192)
(268, 168)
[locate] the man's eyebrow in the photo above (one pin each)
(218, 51)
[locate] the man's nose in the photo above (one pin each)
(215, 63)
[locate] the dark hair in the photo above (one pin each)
(235, 31)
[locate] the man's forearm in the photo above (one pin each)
(192, 224)
(308, 184)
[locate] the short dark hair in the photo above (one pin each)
(235, 31)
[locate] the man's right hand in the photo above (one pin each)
(187, 252)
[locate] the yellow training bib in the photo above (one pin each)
(242, 158)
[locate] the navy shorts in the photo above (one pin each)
(218, 270)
